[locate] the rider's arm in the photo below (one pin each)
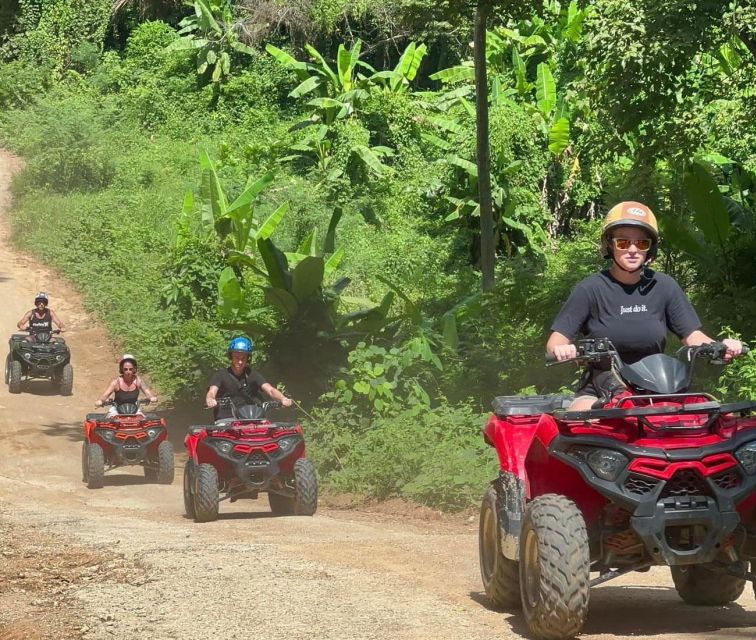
(274, 393)
(210, 400)
(146, 390)
(24, 322)
(56, 320)
(106, 394)
(560, 346)
(697, 338)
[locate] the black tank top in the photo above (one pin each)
(122, 397)
(40, 325)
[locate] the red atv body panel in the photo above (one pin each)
(126, 439)
(254, 447)
(693, 451)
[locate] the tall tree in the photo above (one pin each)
(505, 9)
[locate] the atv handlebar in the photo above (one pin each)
(112, 403)
(596, 350)
(714, 351)
(589, 351)
(226, 401)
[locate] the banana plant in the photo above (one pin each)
(338, 91)
(399, 79)
(212, 33)
(235, 223)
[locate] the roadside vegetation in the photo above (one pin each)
(304, 172)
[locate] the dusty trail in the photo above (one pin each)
(123, 562)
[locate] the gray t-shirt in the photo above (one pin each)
(635, 318)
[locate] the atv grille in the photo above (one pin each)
(640, 485)
(686, 482)
(727, 480)
(257, 459)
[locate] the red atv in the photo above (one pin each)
(128, 438)
(656, 475)
(241, 456)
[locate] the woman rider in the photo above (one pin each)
(628, 303)
(126, 387)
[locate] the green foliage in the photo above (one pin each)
(211, 34)
(66, 144)
(52, 30)
(436, 457)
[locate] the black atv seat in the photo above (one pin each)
(529, 405)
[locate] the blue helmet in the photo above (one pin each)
(241, 344)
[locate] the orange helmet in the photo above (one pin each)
(629, 214)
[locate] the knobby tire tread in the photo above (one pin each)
(15, 374)
(189, 468)
(564, 561)
(206, 495)
(95, 466)
(306, 483)
(66, 380)
(165, 470)
(700, 586)
(502, 585)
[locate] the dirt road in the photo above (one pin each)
(123, 562)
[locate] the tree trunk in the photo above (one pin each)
(487, 245)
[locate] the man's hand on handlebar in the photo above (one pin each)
(564, 352)
(211, 402)
(734, 349)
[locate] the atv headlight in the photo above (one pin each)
(607, 464)
(27, 355)
(153, 432)
(287, 444)
(223, 446)
(106, 434)
(746, 455)
(59, 357)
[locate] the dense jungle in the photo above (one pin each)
(304, 172)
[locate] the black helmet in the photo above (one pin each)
(41, 297)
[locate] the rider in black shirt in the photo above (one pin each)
(240, 383)
(628, 303)
(40, 319)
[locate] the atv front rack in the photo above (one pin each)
(710, 407)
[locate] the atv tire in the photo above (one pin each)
(66, 380)
(281, 505)
(554, 567)
(189, 468)
(165, 470)
(306, 484)
(8, 361)
(205, 493)
(94, 465)
(500, 575)
(15, 373)
(698, 585)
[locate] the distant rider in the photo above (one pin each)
(40, 319)
(628, 303)
(239, 382)
(126, 387)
